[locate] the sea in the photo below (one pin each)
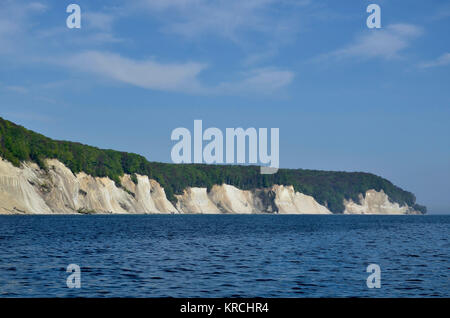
(224, 256)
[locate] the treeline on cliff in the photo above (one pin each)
(329, 188)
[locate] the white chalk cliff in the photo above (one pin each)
(290, 202)
(376, 203)
(31, 190)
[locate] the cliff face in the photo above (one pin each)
(32, 190)
(376, 203)
(290, 202)
(18, 190)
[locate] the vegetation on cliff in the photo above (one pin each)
(329, 188)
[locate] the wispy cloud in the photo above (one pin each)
(262, 81)
(442, 12)
(180, 77)
(258, 57)
(142, 73)
(17, 89)
(387, 43)
(13, 19)
(442, 60)
(23, 30)
(88, 53)
(231, 19)
(35, 6)
(259, 28)
(99, 20)
(97, 29)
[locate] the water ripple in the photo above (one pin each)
(224, 255)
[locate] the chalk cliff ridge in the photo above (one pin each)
(28, 189)
(42, 175)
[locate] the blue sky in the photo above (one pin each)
(345, 97)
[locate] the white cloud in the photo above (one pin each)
(386, 43)
(227, 18)
(258, 27)
(171, 4)
(97, 39)
(99, 20)
(263, 81)
(146, 74)
(175, 77)
(6, 29)
(35, 6)
(23, 38)
(442, 12)
(255, 58)
(20, 25)
(13, 18)
(17, 89)
(442, 60)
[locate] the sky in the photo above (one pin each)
(345, 97)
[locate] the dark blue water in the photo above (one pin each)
(224, 255)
